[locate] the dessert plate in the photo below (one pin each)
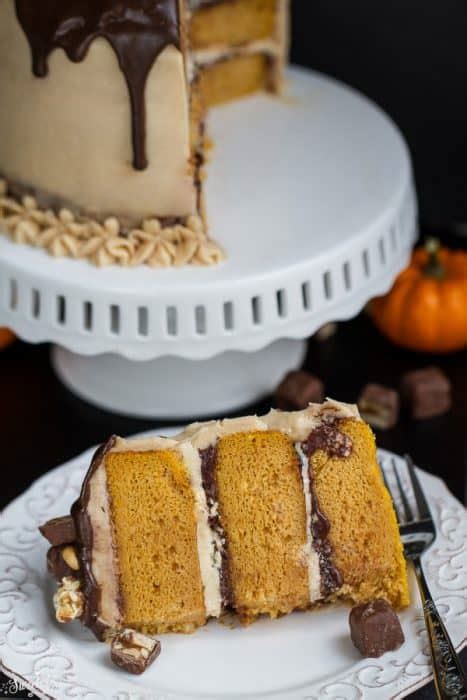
(303, 655)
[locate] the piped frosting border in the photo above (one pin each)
(63, 234)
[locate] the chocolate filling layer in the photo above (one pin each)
(84, 532)
(208, 466)
(137, 30)
(329, 438)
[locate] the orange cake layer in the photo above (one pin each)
(233, 22)
(364, 533)
(263, 515)
(234, 77)
(155, 534)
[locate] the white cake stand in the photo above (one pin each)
(311, 196)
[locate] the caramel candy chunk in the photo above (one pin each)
(59, 530)
(297, 390)
(57, 565)
(375, 628)
(379, 406)
(134, 651)
(426, 392)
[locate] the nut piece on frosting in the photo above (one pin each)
(297, 390)
(68, 600)
(375, 628)
(59, 530)
(133, 651)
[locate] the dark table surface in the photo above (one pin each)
(43, 425)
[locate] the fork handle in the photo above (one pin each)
(448, 675)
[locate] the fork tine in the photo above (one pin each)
(405, 504)
(383, 474)
(422, 505)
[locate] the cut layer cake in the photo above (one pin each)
(259, 516)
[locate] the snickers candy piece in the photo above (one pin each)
(134, 651)
(297, 390)
(59, 530)
(426, 392)
(326, 332)
(57, 564)
(375, 628)
(379, 406)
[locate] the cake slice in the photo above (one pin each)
(251, 515)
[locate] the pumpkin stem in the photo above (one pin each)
(433, 267)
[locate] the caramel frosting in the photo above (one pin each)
(77, 121)
(204, 57)
(209, 544)
(103, 561)
(296, 424)
(64, 234)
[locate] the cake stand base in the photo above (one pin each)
(152, 389)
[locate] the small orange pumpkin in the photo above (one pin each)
(426, 310)
(6, 338)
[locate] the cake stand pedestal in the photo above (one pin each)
(311, 196)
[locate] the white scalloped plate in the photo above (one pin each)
(304, 655)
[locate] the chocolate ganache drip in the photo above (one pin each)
(137, 30)
(208, 465)
(329, 438)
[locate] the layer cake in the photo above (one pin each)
(103, 104)
(257, 516)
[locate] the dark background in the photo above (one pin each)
(410, 56)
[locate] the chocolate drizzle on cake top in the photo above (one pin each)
(208, 466)
(329, 438)
(137, 30)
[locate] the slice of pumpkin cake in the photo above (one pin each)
(251, 515)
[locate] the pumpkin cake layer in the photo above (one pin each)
(262, 508)
(152, 508)
(251, 515)
(240, 46)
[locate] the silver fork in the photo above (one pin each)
(417, 535)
